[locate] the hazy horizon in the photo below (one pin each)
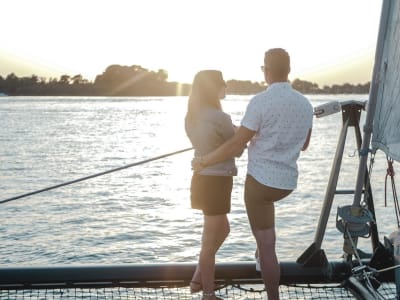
(353, 72)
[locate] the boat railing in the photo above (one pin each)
(171, 281)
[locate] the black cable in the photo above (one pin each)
(94, 175)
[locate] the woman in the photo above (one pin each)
(208, 127)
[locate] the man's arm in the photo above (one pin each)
(307, 142)
(230, 148)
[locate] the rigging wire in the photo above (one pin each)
(94, 175)
(390, 173)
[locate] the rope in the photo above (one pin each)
(353, 245)
(388, 269)
(390, 173)
(362, 270)
(93, 176)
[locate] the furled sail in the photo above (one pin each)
(386, 123)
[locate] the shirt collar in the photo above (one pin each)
(277, 85)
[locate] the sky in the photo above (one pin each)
(329, 41)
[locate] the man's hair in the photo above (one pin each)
(277, 60)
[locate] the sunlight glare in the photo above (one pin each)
(173, 35)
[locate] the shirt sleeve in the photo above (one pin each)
(225, 127)
(252, 117)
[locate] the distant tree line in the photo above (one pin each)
(134, 80)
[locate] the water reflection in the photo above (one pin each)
(142, 214)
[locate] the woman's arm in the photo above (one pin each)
(230, 148)
(307, 142)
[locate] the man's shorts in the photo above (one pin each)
(259, 200)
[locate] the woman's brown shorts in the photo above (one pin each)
(259, 200)
(211, 194)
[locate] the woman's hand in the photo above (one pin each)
(197, 164)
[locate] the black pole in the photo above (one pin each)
(161, 275)
(94, 175)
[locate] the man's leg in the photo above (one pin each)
(259, 200)
(270, 268)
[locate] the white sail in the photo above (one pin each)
(386, 123)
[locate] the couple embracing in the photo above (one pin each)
(276, 126)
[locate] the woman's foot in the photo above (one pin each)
(195, 287)
(210, 296)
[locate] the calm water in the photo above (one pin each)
(142, 214)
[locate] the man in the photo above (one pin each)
(278, 124)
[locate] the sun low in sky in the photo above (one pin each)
(329, 41)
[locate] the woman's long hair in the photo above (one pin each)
(205, 91)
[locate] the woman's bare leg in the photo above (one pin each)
(215, 231)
